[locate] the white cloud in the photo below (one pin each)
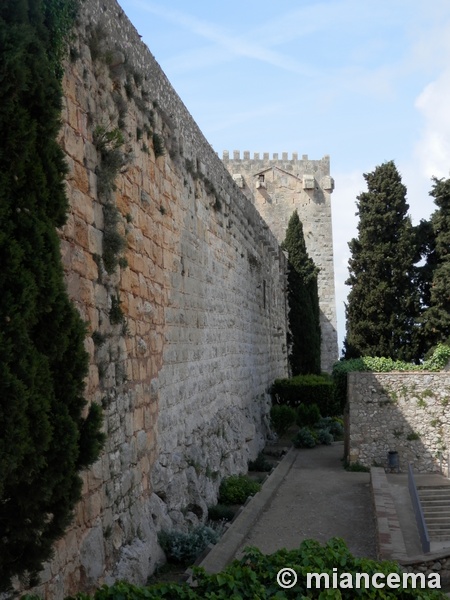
(433, 149)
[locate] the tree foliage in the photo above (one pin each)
(435, 320)
(383, 303)
(44, 438)
(303, 297)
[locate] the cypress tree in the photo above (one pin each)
(44, 439)
(303, 298)
(383, 302)
(435, 320)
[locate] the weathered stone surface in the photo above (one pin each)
(405, 412)
(92, 556)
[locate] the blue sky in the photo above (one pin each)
(363, 81)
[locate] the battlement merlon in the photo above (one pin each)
(275, 157)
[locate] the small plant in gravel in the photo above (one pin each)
(237, 488)
(184, 548)
(260, 464)
(304, 438)
(282, 417)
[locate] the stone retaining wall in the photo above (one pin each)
(406, 412)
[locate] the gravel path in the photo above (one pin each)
(318, 499)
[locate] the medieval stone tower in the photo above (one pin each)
(277, 187)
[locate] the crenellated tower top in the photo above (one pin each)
(277, 186)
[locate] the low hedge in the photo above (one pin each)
(306, 389)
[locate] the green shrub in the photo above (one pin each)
(306, 389)
(260, 464)
(255, 576)
(307, 414)
(282, 417)
(304, 438)
(324, 437)
(333, 424)
(184, 548)
(114, 243)
(221, 512)
(158, 145)
(237, 488)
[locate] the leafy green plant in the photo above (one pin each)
(260, 464)
(235, 489)
(96, 41)
(158, 145)
(282, 417)
(137, 78)
(221, 512)
(128, 89)
(114, 243)
(99, 338)
(304, 438)
(106, 139)
(116, 315)
(217, 204)
(184, 548)
(356, 467)
(335, 426)
(411, 437)
(324, 437)
(307, 414)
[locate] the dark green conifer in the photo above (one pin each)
(383, 302)
(43, 441)
(435, 320)
(303, 297)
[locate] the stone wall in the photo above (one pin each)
(279, 185)
(406, 412)
(186, 332)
